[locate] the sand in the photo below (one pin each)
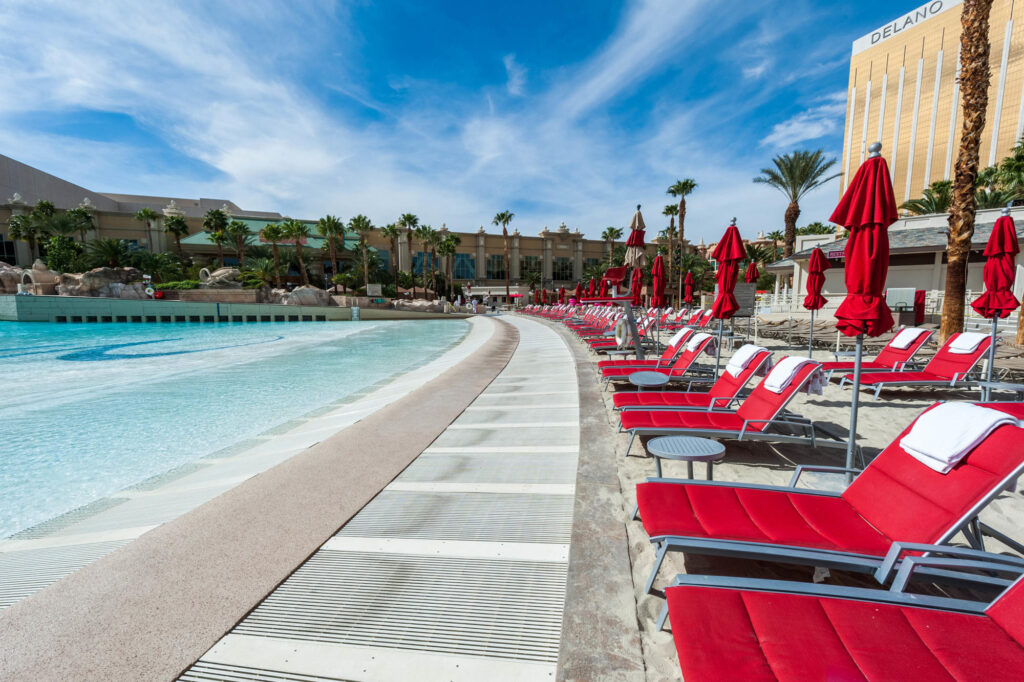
(879, 423)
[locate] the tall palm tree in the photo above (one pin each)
(682, 189)
(795, 175)
(147, 216)
(391, 232)
(503, 219)
(447, 249)
(610, 234)
(434, 240)
(176, 226)
(274, 233)
(936, 199)
(362, 226)
(423, 233)
(24, 229)
(409, 222)
(215, 222)
(974, 82)
(672, 210)
(332, 228)
(83, 220)
(241, 233)
(110, 252)
(299, 232)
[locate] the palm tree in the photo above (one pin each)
(362, 226)
(274, 233)
(447, 249)
(936, 199)
(264, 268)
(147, 215)
(434, 240)
(795, 175)
(241, 233)
(111, 252)
(81, 219)
(610, 234)
(215, 223)
(299, 232)
(331, 228)
(391, 232)
(672, 210)
(996, 198)
(24, 229)
(176, 226)
(423, 233)
(1009, 174)
(974, 82)
(503, 219)
(682, 189)
(409, 223)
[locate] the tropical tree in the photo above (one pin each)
(362, 226)
(79, 219)
(795, 175)
(446, 249)
(671, 210)
(274, 233)
(974, 82)
(681, 189)
(176, 226)
(110, 252)
(23, 229)
(996, 198)
(409, 222)
(759, 254)
(816, 228)
(241, 234)
(936, 199)
(220, 239)
(422, 233)
(332, 229)
(610, 234)
(264, 268)
(391, 232)
(147, 216)
(503, 219)
(299, 232)
(1009, 174)
(434, 240)
(215, 223)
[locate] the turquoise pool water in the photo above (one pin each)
(87, 410)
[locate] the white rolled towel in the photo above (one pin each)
(741, 359)
(947, 433)
(678, 337)
(906, 338)
(698, 339)
(966, 343)
(782, 374)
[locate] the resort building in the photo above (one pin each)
(552, 258)
(903, 91)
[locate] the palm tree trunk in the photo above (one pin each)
(974, 82)
(412, 266)
(671, 236)
(241, 253)
(366, 268)
(277, 266)
(177, 240)
(302, 264)
(394, 262)
(220, 254)
(682, 245)
(790, 218)
(334, 260)
(508, 292)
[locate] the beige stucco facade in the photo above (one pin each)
(903, 92)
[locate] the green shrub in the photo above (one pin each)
(182, 285)
(63, 254)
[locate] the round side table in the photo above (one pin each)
(687, 449)
(644, 380)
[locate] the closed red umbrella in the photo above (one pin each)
(752, 273)
(658, 282)
(636, 256)
(635, 285)
(728, 252)
(578, 294)
(867, 209)
(815, 281)
(604, 289)
(544, 296)
(688, 288)
(561, 295)
(998, 300)
(591, 288)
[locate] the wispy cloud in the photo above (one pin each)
(516, 74)
(812, 124)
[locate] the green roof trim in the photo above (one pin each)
(202, 238)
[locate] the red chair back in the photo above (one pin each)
(730, 386)
(891, 356)
(763, 404)
(1008, 611)
(687, 357)
(947, 364)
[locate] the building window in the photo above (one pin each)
(496, 266)
(529, 265)
(562, 270)
(384, 258)
(591, 262)
(6, 250)
(465, 267)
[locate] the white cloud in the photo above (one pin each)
(757, 70)
(516, 74)
(814, 123)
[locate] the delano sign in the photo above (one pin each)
(906, 22)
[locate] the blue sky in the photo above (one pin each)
(569, 111)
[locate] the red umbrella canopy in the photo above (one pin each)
(578, 294)
(636, 284)
(816, 280)
(658, 282)
(591, 288)
(728, 252)
(998, 299)
(604, 289)
(752, 273)
(561, 295)
(636, 256)
(867, 209)
(688, 288)
(544, 296)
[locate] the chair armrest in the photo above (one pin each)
(813, 467)
(947, 569)
(892, 563)
(728, 402)
(844, 354)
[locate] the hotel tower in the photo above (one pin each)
(903, 91)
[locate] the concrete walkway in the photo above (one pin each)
(457, 569)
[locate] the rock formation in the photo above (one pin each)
(10, 276)
(103, 283)
(222, 278)
(307, 295)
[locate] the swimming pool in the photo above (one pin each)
(87, 410)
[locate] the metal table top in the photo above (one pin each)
(648, 379)
(686, 448)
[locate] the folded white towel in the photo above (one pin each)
(782, 375)
(698, 339)
(966, 343)
(741, 359)
(678, 336)
(708, 313)
(906, 338)
(945, 434)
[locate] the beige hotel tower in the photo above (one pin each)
(903, 91)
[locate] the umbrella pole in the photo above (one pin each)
(810, 337)
(851, 441)
(718, 348)
(987, 392)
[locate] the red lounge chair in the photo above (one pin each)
(894, 498)
(778, 631)
(664, 361)
(683, 364)
(945, 369)
(889, 359)
(722, 393)
(759, 413)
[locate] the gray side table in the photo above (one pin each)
(687, 449)
(644, 380)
